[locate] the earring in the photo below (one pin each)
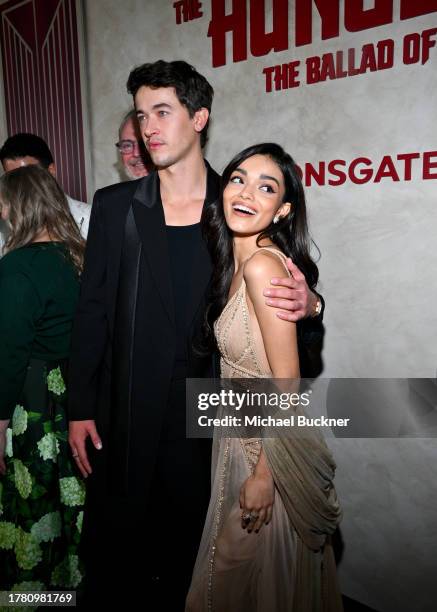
(276, 218)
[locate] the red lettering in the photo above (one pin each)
(196, 13)
(277, 40)
(284, 76)
(313, 69)
(328, 67)
(429, 165)
(312, 173)
(269, 74)
(386, 170)
(356, 18)
(332, 169)
(368, 60)
(365, 173)
(220, 24)
(414, 8)
(281, 77)
(427, 43)
(178, 7)
(407, 158)
(386, 53)
(293, 73)
(411, 50)
(329, 13)
(352, 71)
(188, 10)
(341, 73)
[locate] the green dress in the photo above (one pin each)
(42, 494)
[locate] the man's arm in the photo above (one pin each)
(89, 338)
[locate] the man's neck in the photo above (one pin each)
(185, 180)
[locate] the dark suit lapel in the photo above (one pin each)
(200, 273)
(150, 222)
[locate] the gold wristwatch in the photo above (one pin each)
(317, 308)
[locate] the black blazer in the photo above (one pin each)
(130, 426)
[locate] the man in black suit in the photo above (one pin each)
(143, 292)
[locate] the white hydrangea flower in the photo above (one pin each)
(72, 491)
(7, 535)
(67, 573)
(55, 382)
(23, 479)
(28, 585)
(9, 450)
(27, 550)
(47, 528)
(79, 521)
(25, 587)
(19, 420)
(48, 446)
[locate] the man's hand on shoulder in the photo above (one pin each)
(292, 296)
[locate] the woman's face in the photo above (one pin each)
(254, 195)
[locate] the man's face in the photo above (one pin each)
(136, 162)
(168, 131)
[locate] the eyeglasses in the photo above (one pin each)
(128, 146)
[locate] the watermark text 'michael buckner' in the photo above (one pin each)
(270, 421)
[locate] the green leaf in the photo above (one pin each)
(23, 509)
(48, 427)
(38, 491)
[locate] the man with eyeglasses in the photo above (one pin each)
(134, 157)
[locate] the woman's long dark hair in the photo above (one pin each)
(289, 234)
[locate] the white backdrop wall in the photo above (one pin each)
(377, 239)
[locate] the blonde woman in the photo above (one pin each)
(41, 497)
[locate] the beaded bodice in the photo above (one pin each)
(242, 350)
(239, 337)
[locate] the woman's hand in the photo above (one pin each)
(257, 496)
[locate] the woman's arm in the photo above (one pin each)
(279, 336)
(19, 312)
(280, 343)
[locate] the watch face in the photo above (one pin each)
(318, 308)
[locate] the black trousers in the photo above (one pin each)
(139, 551)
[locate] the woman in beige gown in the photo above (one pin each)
(266, 541)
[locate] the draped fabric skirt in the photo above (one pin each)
(235, 570)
